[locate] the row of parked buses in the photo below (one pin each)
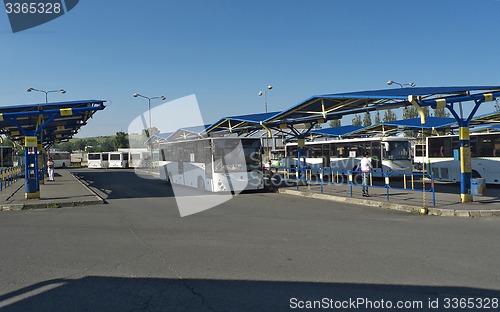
(440, 154)
(222, 164)
(118, 159)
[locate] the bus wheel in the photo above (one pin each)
(277, 179)
(201, 184)
(357, 177)
(475, 174)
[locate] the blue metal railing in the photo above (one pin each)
(10, 175)
(326, 176)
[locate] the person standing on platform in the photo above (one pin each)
(366, 167)
(50, 168)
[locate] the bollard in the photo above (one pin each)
(350, 182)
(433, 193)
(387, 187)
(321, 180)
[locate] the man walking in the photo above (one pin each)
(366, 167)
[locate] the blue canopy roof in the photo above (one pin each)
(241, 122)
(331, 106)
(189, 132)
(430, 122)
(51, 122)
(337, 131)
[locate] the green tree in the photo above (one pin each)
(410, 112)
(65, 146)
(441, 112)
(151, 132)
(335, 123)
(367, 119)
(121, 140)
(389, 115)
(108, 145)
(377, 117)
(91, 145)
(356, 121)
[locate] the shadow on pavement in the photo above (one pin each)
(115, 184)
(94, 293)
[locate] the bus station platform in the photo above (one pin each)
(65, 191)
(447, 199)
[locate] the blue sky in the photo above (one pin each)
(225, 52)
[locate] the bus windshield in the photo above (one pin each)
(398, 150)
(94, 156)
(114, 156)
(235, 155)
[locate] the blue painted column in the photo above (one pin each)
(300, 144)
(32, 185)
(465, 165)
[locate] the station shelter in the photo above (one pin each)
(321, 108)
(37, 127)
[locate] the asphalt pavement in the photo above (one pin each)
(258, 251)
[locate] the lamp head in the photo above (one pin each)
(29, 89)
(260, 93)
(269, 87)
(163, 98)
(62, 91)
(390, 82)
(135, 94)
(412, 84)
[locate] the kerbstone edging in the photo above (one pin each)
(396, 206)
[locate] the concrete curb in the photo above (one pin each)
(98, 198)
(395, 206)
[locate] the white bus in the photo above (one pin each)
(98, 160)
(137, 159)
(213, 164)
(443, 155)
(61, 159)
(345, 154)
(118, 160)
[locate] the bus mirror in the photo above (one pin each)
(386, 146)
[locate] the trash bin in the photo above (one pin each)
(477, 186)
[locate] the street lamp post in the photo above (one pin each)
(411, 84)
(161, 97)
(46, 92)
(148, 132)
(269, 87)
(42, 166)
